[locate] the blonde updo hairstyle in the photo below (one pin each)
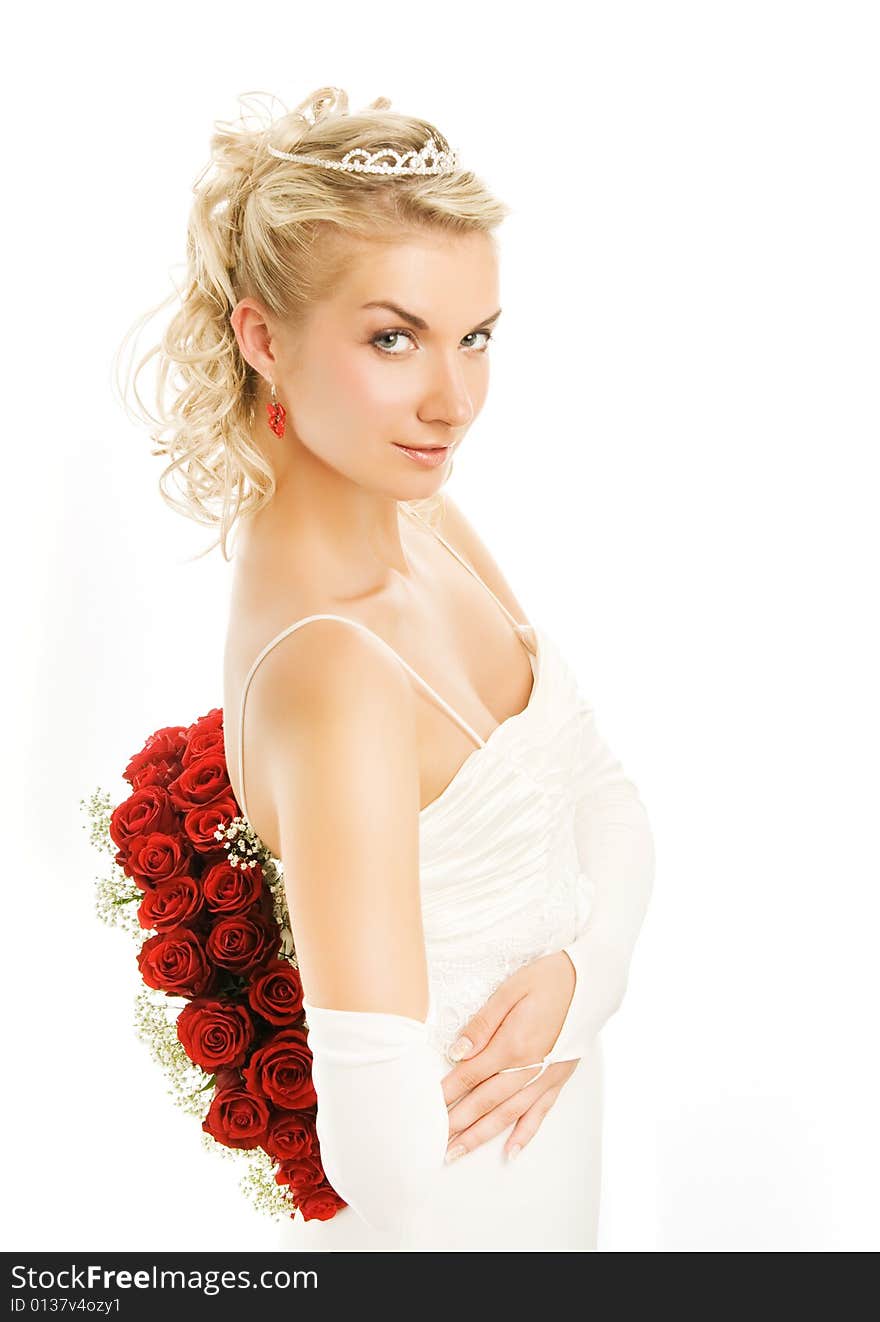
(272, 229)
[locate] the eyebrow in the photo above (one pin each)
(419, 322)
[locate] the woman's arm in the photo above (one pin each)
(342, 764)
(616, 850)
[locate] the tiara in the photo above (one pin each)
(427, 161)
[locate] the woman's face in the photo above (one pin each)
(359, 382)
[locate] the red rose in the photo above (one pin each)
(232, 890)
(170, 904)
(213, 720)
(301, 1173)
(243, 942)
(159, 761)
(203, 737)
(215, 1034)
(291, 1134)
(237, 1118)
(201, 782)
(277, 993)
(282, 1071)
(320, 1204)
(175, 962)
(157, 857)
(201, 823)
(146, 811)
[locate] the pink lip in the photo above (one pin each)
(429, 458)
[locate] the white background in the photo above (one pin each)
(675, 468)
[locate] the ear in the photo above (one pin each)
(251, 324)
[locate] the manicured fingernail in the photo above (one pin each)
(515, 1151)
(458, 1049)
(452, 1154)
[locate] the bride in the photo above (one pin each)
(466, 865)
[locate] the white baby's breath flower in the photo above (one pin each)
(155, 1023)
(243, 845)
(257, 1182)
(259, 1185)
(99, 808)
(116, 895)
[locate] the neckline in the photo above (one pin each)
(537, 661)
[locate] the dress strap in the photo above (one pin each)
(468, 729)
(518, 627)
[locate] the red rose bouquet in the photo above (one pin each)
(221, 1007)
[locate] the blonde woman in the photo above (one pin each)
(463, 856)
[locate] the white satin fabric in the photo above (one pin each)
(539, 844)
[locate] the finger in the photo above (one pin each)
(480, 1069)
(479, 1028)
(530, 1120)
(483, 1099)
(495, 1122)
(453, 1083)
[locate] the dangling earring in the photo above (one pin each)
(277, 414)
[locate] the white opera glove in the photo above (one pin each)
(615, 848)
(382, 1121)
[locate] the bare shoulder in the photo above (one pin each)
(324, 668)
(340, 759)
(334, 700)
(460, 532)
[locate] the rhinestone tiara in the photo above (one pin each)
(427, 161)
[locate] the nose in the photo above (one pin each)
(448, 398)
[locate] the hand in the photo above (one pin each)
(518, 1026)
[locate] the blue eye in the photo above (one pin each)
(394, 334)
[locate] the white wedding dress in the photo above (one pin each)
(538, 844)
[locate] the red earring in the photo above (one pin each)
(277, 414)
